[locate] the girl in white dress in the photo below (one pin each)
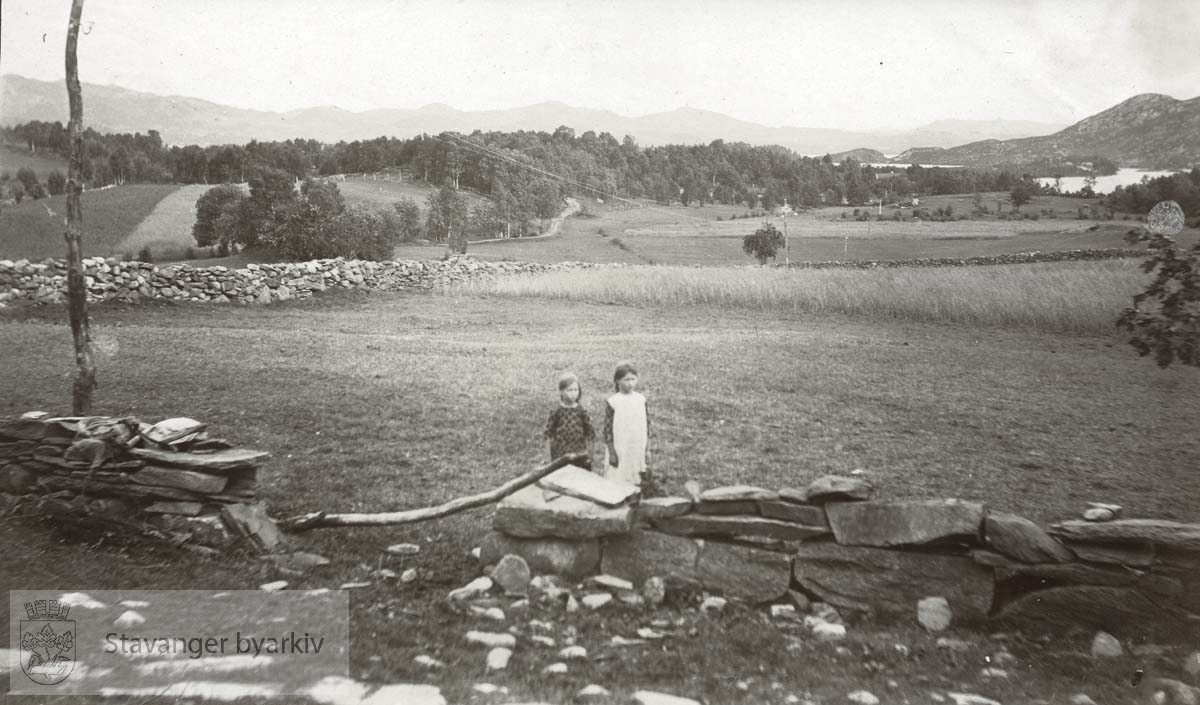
(626, 428)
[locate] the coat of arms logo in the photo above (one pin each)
(47, 642)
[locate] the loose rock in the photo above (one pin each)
(596, 600)
(471, 590)
(862, 697)
(970, 699)
(713, 604)
(497, 658)
(492, 639)
(592, 691)
(1105, 645)
(573, 652)
(825, 631)
(512, 575)
(555, 669)
(934, 613)
(403, 549)
(650, 697)
(428, 662)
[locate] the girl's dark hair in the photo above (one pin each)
(625, 368)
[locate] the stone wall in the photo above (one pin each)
(115, 280)
(1015, 258)
(832, 542)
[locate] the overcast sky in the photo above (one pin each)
(811, 63)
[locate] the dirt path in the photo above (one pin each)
(555, 225)
(167, 230)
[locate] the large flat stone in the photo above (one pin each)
(221, 460)
(807, 514)
(742, 572)
(735, 493)
(642, 554)
(706, 525)
(1075, 573)
(1133, 555)
(584, 484)
(833, 488)
(1157, 532)
(661, 508)
(905, 523)
(1113, 609)
(571, 559)
(729, 508)
(891, 582)
(529, 513)
(1022, 540)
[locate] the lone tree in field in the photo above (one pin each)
(85, 364)
(764, 243)
(1165, 318)
(1021, 194)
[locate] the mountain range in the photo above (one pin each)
(182, 120)
(1151, 131)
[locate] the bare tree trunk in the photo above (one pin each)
(85, 365)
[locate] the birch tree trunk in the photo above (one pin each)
(85, 365)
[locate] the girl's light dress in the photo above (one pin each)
(626, 427)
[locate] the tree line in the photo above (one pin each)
(523, 171)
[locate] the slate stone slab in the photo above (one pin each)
(1022, 540)
(734, 493)
(742, 572)
(705, 525)
(904, 523)
(1146, 531)
(198, 482)
(1134, 555)
(732, 507)
(654, 508)
(643, 554)
(571, 559)
(529, 513)
(250, 521)
(233, 459)
(892, 582)
(833, 488)
(584, 484)
(806, 514)
(1076, 573)
(187, 509)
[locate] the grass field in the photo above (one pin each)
(13, 158)
(383, 194)
(1077, 297)
(384, 402)
(167, 230)
(34, 229)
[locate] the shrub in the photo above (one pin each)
(144, 255)
(1165, 318)
(56, 183)
(409, 223)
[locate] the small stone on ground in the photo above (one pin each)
(862, 697)
(1105, 645)
(934, 613)
(497, 658)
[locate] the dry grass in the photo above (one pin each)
(167, 230)
(1080, 297)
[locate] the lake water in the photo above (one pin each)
(1106, 184)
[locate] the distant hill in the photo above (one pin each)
(1150, 131)
(182, 120)
(861, 155)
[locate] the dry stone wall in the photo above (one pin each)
(832, 542)
(116, 280)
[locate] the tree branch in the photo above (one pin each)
(321, 520)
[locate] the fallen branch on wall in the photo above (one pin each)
(322, 520)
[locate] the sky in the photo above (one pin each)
(849, 64)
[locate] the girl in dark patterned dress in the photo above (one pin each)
(569, 430)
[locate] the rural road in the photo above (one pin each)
(555, 223)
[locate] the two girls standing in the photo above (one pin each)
(626, 426)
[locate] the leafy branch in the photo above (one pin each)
(1165, 318)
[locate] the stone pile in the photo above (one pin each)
(167, 480)
(116, 280)
(831, 542)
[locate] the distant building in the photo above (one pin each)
(785, 209)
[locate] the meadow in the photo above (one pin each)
(1072, 297)
(34, 229)
(373, 402)
(13, 158)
